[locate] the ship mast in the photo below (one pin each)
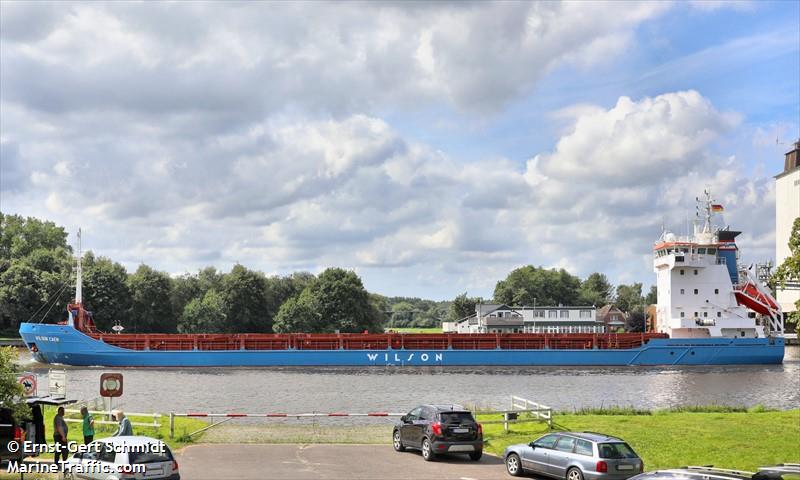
(79, 274)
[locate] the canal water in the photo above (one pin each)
(347, 389)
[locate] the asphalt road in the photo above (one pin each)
(296, 462)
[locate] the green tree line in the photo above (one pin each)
(36, 282)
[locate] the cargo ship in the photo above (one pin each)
(710, 311)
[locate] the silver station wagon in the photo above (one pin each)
(574, 456)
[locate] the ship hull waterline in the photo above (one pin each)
(60, 344)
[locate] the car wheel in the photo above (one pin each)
(476, 455)
(427, 451)
(513, 465)
(397, 443)
(574, 473)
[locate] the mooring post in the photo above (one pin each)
(171, 424)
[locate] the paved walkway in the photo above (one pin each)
(261, 462)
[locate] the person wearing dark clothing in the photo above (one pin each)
(60, 431)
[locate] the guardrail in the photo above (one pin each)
(538, 413)
(107, 413)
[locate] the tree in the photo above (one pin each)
(629, 297)
(151, 309)
(530, 285)
(789, 270)
(336, 300)
(652, 296)
(244, 294)
(634, 322)
(10, 389)
(596, 290)
(106, 293)
(203, 315)
(300, 314)
(462, 306)
(280, 289)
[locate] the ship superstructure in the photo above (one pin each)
(703, 291)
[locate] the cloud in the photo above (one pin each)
(246, 60)
(295, 193)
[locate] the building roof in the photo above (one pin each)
(610, 308)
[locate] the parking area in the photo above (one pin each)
(257, 462)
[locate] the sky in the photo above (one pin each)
(430, 147)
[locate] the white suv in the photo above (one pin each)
(123, 458)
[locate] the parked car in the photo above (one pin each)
(129, 457)
(439, 429)
(574, 456)
(784, 471)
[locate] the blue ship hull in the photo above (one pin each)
(65, 345)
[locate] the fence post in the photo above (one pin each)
(171, 424)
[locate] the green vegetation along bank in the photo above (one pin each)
(739, 440)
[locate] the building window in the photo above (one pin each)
(712, 251)
(701, 251)
(552, 314)
(683, 314)
(586, 314)
(719, 314)
(696, 315)
(716, 291)
(695, 272)
(564, 313)
(538, 314)
(682, 272)
(682, 291)
(705, 314)
(696, 291)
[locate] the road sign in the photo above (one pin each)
(28, 382)
(57, 383)
(111, 385)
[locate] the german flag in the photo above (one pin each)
(717, 208)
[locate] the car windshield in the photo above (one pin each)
(456, 417)
(616, 450)
(155, 456)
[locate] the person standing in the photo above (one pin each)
(60, 431)
(88, 425)
(125, 427)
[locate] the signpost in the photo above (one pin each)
(110, 387)
(57, 383)
(28, 382)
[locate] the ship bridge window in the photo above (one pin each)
(683, 314)
(696, 291)
(695, 272)
(719, 314)
(685, 249)
(682, 272)
(716, 291)
(682, 291)
(701, 251)
(712, 251)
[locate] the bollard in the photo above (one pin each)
(171, 424)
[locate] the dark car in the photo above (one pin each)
(439, 429)
(784, 471)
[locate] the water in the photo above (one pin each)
(296, 390)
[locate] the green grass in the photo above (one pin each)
(415, 330)
(183, 426)
(666, 439)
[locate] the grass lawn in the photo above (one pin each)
(740, 440)
(416, 330)
(183, 426)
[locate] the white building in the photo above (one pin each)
(787, 208)
(498, 318)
